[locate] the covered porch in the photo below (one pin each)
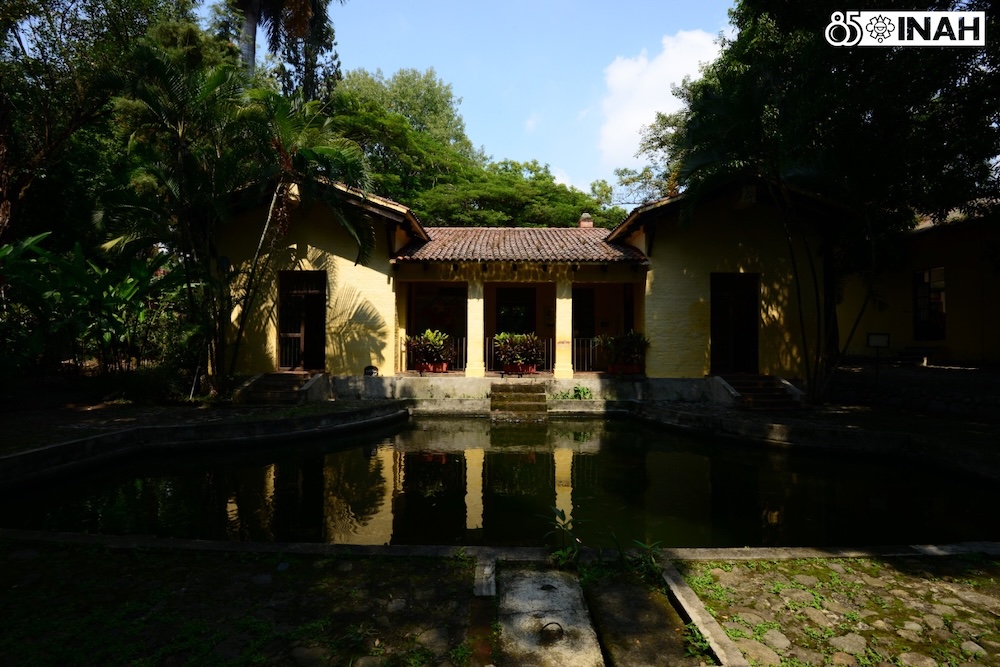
(567, 299)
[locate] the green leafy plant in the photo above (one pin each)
(567, 544)
(697, 645)
(430, 347)
(629, 348)
(511, 348)
(648, 551)
(577, 393)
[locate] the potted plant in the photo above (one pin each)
(626, 353)
(431, 351)
(518, 353)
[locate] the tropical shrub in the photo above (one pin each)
(511, 349)
(430, 347)
(629, 348)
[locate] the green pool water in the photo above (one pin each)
(467, 482)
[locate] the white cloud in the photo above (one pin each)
(532, 122)
(636, 88)
(562, 176)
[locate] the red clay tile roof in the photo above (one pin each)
(518, 244)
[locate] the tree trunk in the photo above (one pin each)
(8, 180)
(248, 34)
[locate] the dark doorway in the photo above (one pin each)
(735, 314)
(515, 310)
(302, 320)
(583, 312)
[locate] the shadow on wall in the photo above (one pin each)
(780, 350)
(780, 331)
(356, 333)
(256, 353)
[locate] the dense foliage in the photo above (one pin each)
(128, 136)
(882, 134)
(890, 130)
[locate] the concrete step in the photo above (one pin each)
(505, 416)
(517, 388)
(275, 389)
(544, 620)
(519, 406)
(270, 397)
(518, 402)
(517, 398)
(762, 392)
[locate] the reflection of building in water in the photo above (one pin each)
(473, 484)
(476, 485)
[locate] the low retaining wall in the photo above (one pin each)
(459, 387)
(32, 464)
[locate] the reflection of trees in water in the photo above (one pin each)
(251, 504)
(176, 506)
(431, 508)
(354, 491)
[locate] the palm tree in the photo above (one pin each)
(282, 19)
(305, 158)
(200, 136)
(189, 134)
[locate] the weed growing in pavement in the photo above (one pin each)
(761, 629)
(706, 587)
(578, 393)
(567, 544)
(697, 645)
(460, 654)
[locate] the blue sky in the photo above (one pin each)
(566, 83)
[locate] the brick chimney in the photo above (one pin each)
(586, 221)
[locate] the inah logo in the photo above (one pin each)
(880, 27)
(889, 28)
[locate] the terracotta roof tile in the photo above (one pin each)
(518, 244)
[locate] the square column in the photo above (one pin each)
(563, 367)
(475, 365)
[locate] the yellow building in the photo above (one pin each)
(713, 295)
(720, 294)
(937, 302)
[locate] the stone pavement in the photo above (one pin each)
(777, 607)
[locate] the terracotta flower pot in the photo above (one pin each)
(428, 367)
(519, 369)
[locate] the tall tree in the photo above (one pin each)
(886, 132)
(306, 155)
(427, 103)
(283, 20)
(188, 131)
(310, 64)
(61, 61)
(204, 144)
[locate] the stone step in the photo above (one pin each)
(544, 620)
(275, 389)
(518, 406)
(505, 416)
(517, 388)
(762, 392)
(270, 397)
(518, 398)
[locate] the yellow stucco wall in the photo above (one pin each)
(360, 303)
(970, 256)
(722, 238)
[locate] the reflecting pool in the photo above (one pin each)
(451, 482)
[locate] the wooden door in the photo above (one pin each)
(302, 320)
